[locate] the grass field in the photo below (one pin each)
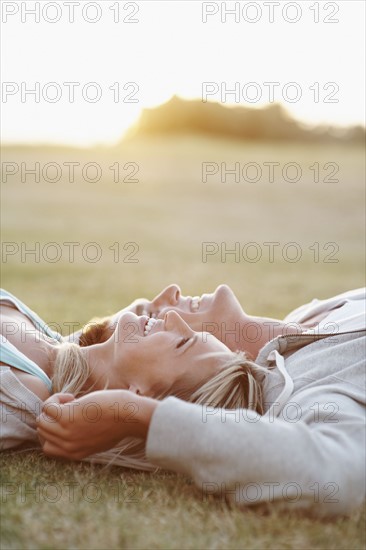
(168, 213)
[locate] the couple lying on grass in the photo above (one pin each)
(254, 409)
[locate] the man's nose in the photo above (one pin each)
(169, 297)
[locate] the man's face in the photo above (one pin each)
(197, 311)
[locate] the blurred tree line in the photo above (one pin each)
(271, 122)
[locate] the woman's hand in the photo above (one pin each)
(76, 428)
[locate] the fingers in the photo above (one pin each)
(65, 397)
(53, 444)
(53, 435)
(52, 406)
(50, 419)
(59, 398)
(57, 419)
(51, 449)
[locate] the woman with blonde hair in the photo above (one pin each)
(147, 357)
(303, 445)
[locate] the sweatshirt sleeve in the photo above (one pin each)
(248, 459)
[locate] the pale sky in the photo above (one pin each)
(170, 50)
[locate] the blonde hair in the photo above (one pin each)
(71, 370)
(238, 384)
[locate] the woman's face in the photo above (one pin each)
(199, 312)
(150, 356)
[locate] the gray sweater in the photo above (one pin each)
(308, 449)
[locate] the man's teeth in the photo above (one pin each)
(145, 312)
(149, 325)
(195, 303)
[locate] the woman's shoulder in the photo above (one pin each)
(22, 385)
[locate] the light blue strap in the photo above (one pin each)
(37, 321)
(11, 356)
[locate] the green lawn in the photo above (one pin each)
(60, 506)
(169, 213)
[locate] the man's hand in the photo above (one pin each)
(76, 428)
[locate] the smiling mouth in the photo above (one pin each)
(150, 323)
(195, 303)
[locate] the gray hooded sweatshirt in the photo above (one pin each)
(308, 449)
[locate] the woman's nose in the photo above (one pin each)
(173, 321)
(169, 297)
